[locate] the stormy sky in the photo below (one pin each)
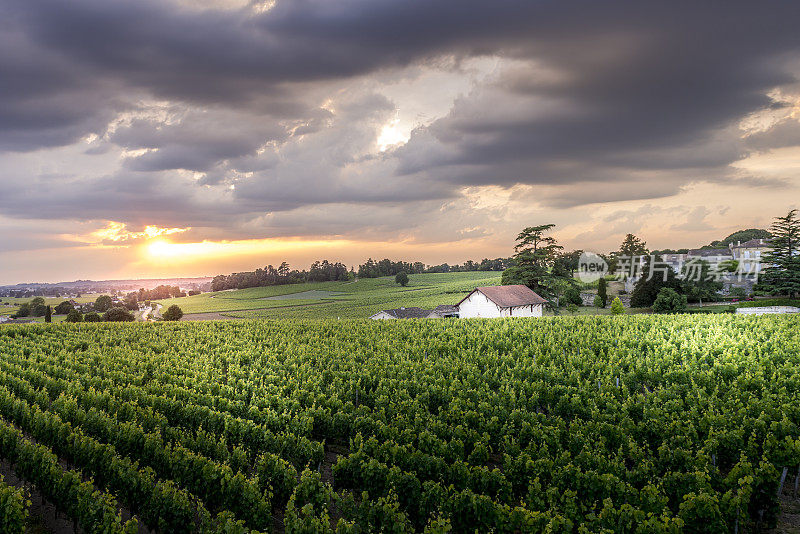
(188, 138)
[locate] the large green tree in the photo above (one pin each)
(699, 283)
(782, 274)
(103, 303)
(117, 314)
(632, 246)
(401, 278)
(63, 308)
(655, 276)
(534, 260)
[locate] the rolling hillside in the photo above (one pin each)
(324, 300)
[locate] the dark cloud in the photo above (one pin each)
(229, 117)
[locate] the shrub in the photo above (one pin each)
(118, 314)
(669, 301)
(173, 313)
(74, 316)
(616, 307)
(737, 292)
(92, 317)
(598, 302)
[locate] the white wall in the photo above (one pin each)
(477, 305)
(381, 315)
(767, 310)
(523, 311)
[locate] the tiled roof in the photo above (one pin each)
(753, 243)
(709, 252)
(444, 309)
(510, 296)
(408, 313)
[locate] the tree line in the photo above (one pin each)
(320, 271)
(542, 264)
(328, 271)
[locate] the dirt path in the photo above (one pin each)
(789, 520)
(42, 514)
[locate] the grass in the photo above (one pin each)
(356, 299)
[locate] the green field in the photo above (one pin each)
(631, 424)
(357, 299)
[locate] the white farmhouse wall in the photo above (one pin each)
(477, 305)
(522, 311)
(381, 315)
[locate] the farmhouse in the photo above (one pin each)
(501, 301)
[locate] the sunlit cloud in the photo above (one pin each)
(392, 135)
(118, 233)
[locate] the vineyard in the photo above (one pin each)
(593, 424)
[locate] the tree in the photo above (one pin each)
(598, 302)
(567, 262)
(616, 307)
(103, 303)
(117, 314)
(48, 315)
(63, 308)
(669, 301)
(632, 246)
(39, 310)
(92, 317)
(698, 284)
(534, 260)
(173, 313)
(782, 274)
(401, 278)
(572, 296)
(602, 291)
(655, 275)
(24, 310)
(74, 316)
(37, 301)
(132, 301)
(741, 235)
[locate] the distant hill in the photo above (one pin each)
(740, 235)
(104, 286)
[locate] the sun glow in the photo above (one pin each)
(165, 250)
